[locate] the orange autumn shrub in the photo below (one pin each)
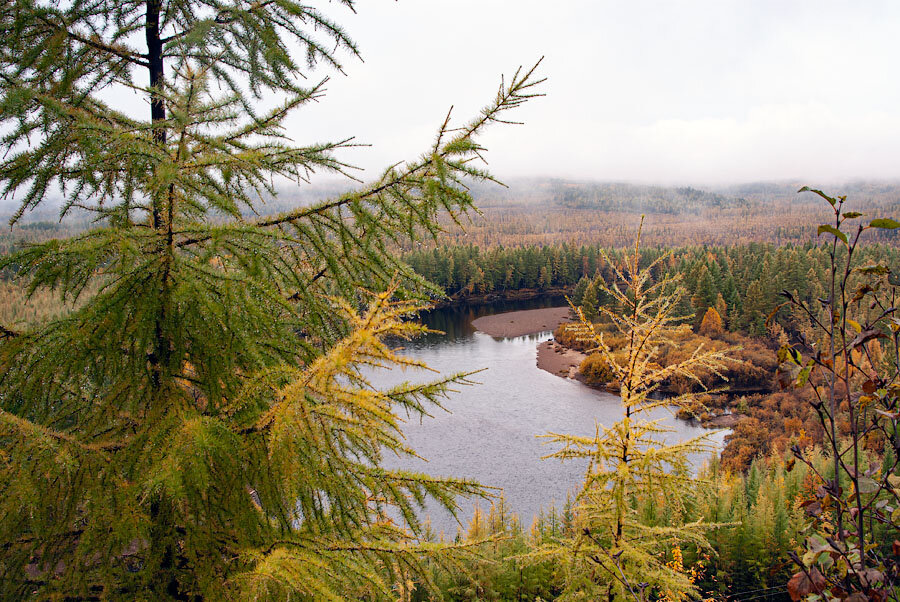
(595, 370)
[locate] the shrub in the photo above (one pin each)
(596, 370)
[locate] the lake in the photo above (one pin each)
(490, 430)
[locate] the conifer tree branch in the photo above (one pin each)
(507, 97)
(205, 398)
(225, 16)
(130, 56)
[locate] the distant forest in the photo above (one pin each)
(744, 242)
(544, 211)
(748, 278)
(541, 212)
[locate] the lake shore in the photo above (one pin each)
(559, 360)
(522, 294)
(551, 356)
(521, 323)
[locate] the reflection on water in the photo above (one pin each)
(456, 321)
(490, 430)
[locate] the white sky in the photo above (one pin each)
(671, 92)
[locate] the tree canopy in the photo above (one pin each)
(200, 426)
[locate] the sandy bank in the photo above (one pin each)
(723, 421)
(519, 323)
(558, 360)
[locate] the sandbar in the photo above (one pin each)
(520, 323)
(559, 360)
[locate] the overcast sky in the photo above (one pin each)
(667, 92)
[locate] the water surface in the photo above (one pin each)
(490, 432)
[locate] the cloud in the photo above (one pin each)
(651, 91)
(707, 91)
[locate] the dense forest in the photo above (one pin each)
(546, 212)
(747, 278)
(754, 486)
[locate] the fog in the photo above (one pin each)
(659, 92)
(703, 93)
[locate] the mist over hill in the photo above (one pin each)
(532, 194)
(657, 199)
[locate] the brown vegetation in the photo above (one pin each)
(773, 423)
(711, 325)
(595, 370)
(753, 369)
(765, 421)
(583, 213)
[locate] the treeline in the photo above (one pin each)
(542, 212)
(13, 239)
(742, 282)
(758, 510)
(617, 196)
(517, 225)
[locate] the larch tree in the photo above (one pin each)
(200, 427)
(588, 305)
(612, 553)
(711, 324)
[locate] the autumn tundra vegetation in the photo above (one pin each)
(184, 409)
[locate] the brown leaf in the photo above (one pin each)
(803, 584)
(786, 374)
(870, 577)
(814, 509)
(865, 336)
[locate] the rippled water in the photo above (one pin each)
(490, 431)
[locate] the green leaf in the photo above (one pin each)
(832, 230)
(884, 223)
(852, 215)
(788, 354)
(867, 485)
(817, 543)
(830, 200)
(873, 269)
(803, 376)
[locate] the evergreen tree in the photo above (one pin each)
(589, 303)
(544, 279)
(200, 427)
(580, 289)
(613, 553)
(704, 293)
(721, 307)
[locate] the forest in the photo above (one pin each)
(189, 331)
(735, 297)
(543, 212)
(748, 278)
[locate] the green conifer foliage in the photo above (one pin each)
(721, 307)
(613, 553)
(580, 289)
(199, 427)
(589, 302)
